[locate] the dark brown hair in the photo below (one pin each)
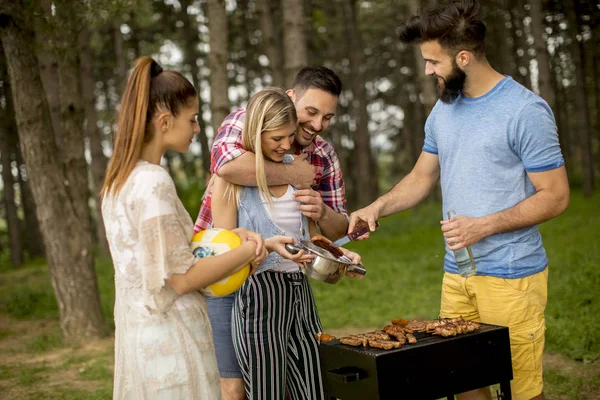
(149, 90)
(317, 77)
(457, 26)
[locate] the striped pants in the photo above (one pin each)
(274, 320)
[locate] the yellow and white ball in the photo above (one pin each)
(213, 242)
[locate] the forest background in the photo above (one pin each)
(63, 65)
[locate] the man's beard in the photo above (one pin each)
(452, 86)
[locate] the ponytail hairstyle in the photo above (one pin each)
(268, 110)
(149, 90)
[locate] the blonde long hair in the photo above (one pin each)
(148, 90)
(268, 110)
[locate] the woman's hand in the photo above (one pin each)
(249, 236)
(277, 244)
(260, 253)
(355, 257)
(254, 264)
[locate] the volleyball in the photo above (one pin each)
(213, 242)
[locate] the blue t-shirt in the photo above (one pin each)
(486, 146)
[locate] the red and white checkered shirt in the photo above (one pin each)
(228, 146)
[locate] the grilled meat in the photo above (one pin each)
(326, 244)
(453, 327)
(399, 321)
(411, 338)
(323, 337)
(375, 335)
(397, 332)
(417, 326)
(384, 344)
(353, 341)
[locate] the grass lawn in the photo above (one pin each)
(404, 260)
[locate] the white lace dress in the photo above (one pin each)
(163, 342)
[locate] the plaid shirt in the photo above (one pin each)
(228, 146)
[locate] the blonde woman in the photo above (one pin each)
(163, 346)
(274, 317)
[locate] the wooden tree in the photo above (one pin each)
(426, 84)
(541, 52)
(217, 62)
(191, 56)
(272, 43)
(519, 43)
(49, 69)
(93, 134)
(294, 40)
(365, 167)
(33, 235)
(57, 193)
(581, 104)
(7, 148)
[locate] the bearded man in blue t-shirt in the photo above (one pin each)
(494, 145)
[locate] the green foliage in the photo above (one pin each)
(45, 342)
(574, 278)
(106, 286)
(65, 393)
(30, 375)
(75, 360)
(6, 372)
(569, 386)
(190, 190)
(97, 371)
(27, 294)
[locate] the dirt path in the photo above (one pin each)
(28, 372)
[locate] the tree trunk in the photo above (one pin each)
(94, 136)
(7, 148)
(366, 175)
(581, 103)
(33, 237)
(272, 43)
(294, 40)
(65, 230)
(217, 62)
(120, 57)
(72, 110)
(519, 43)
(191, 58)
(49, 70)
(12, 219)
(425, 84)
(541, 52)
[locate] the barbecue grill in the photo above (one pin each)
(433, 368)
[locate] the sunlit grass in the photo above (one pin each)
(404, 261)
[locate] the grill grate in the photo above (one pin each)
(433, 367)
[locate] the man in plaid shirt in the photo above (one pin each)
(315, 172)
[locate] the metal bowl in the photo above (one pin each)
(325, 267)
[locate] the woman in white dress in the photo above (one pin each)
(163, 342)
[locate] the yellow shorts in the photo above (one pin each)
(516, 303)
